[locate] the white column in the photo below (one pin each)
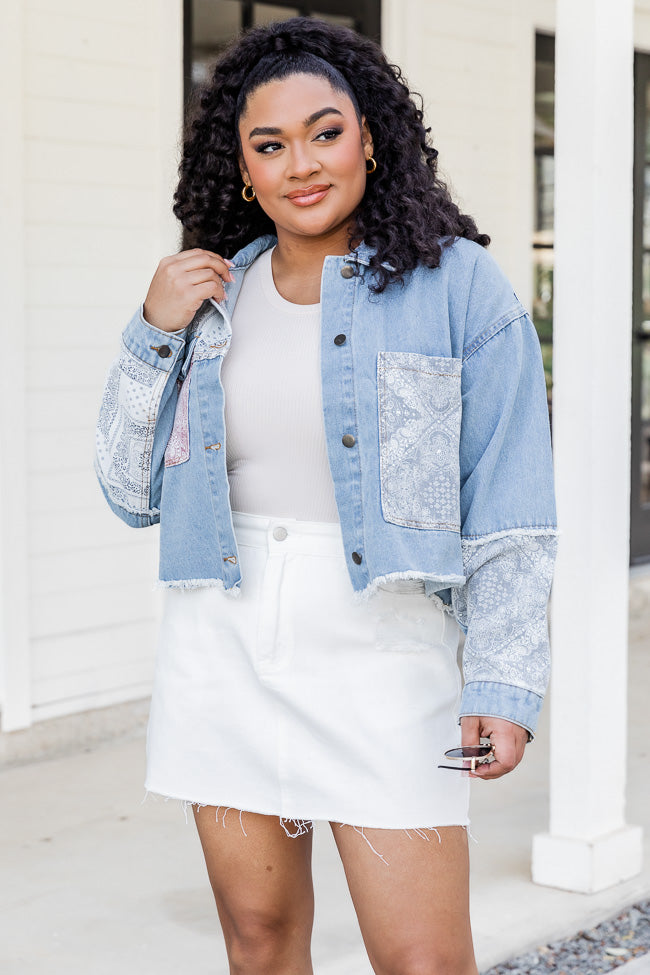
(15, 686)
(589, 846)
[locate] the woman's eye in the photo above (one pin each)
(266, 146)
(329, 134)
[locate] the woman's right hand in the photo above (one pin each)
(181, 283)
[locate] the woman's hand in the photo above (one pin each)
(181, 283)
(508, 740)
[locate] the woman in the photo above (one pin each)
(335, 406)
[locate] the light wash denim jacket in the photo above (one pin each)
(449, 477)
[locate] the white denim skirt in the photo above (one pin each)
(297, 699)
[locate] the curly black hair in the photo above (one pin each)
(406, 215)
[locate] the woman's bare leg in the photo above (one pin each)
(413, 906)
(262, 886)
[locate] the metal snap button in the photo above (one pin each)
(347, 271)
(356, 558)
(348, 440)
(164, 351)
(280, 533)
(339, 339)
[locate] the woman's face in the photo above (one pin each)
(305, 154)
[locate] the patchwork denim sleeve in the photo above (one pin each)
(508, 534)
(136, 418)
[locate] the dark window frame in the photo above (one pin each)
(542, 308)
(365, 13)
(639, 512)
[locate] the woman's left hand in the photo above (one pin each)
(508, 739)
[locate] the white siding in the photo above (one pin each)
(101, 111)
(15, 676)
(642, 25)
(473, 61)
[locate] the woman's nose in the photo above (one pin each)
(302, 163)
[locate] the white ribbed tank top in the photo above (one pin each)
(276, 452)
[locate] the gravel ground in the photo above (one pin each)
(590, 952)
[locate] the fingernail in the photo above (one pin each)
(229, 263)
(232, 276)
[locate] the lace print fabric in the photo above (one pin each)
(503, 607)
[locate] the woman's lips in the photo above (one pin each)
(305, 198)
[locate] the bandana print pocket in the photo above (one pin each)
(419, 405)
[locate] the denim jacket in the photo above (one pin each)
(438, 440)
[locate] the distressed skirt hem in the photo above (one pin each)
(321, 817)
(299, 826)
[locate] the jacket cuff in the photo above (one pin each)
(516, 704)
(152, 345)
(134, 519)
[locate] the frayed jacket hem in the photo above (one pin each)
(197, 584)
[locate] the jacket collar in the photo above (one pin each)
(245, 257)
(361, 254)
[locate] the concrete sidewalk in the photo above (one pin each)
(91, 880)
(640, 966)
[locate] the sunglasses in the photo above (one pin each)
(469, 756)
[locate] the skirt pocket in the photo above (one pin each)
(407, 622)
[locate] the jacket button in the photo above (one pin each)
(280, 533)
(339, 339)
(356, 558)
(348, 440)
(164, 351)
(347, 271)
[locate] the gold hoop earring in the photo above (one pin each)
(244, 193)
(373, 165)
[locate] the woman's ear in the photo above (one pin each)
(243, 171)
(366, 137)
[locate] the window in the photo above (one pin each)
(544, 187)
(209, 25)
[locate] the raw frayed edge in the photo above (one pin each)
(184, 803)
(362, 595)
(234, 591)
(481, 539)
(301, 826)
(441, 604)
(419, 831)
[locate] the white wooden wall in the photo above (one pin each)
(642, 26)
(101, 94)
